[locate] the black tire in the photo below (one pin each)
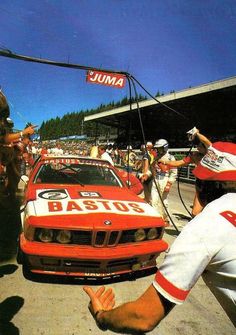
(26, 272)
(20, 257)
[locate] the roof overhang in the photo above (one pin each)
(211, 107)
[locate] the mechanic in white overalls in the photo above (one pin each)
(164, 177)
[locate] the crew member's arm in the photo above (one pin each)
(141, 315)
(204, 139)
(183, 265)
(178, 163)
(145, 171)
(173, 172)
(12, 137)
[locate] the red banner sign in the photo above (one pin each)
(107, 79)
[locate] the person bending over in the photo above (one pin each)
(205, 247)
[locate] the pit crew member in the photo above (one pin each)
(164, 177)
(205, 247)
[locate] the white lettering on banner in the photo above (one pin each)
(108, 79)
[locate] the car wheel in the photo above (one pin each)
(26, 272)
(20, 255)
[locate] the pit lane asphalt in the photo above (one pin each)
(52, 307)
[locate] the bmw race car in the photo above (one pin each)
(81, 219)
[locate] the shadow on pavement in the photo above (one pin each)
(180, 216)
(10, 226)
(7, 269)
(171, 231)
(8, 308)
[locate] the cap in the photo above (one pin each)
(149, 144)
(129, 147)
(219, 163)
(160, 143)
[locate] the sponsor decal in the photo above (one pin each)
(107, 79)
(93, 274)
(53, 194)
(89, 194)
(214, 160)
(58, 161)
(58, 202)
(94, 205)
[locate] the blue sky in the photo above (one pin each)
(167, 45)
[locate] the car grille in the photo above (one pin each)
(106, 266)
(93, 265)
(100, 238)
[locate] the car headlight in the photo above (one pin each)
(46, 235)
(139, 235)
(64, 236)
(152, 234)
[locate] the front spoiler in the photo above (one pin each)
(87, 261)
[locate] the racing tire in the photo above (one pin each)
(26, 271)
(20, 256)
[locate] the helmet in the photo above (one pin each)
(129, 147)
(161, 143)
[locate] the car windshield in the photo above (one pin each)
(76, 173)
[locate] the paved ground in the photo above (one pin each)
(56, 308)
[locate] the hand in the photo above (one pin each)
(29, 130)
(161, 161)
(101, 300)
(192, 133)
(168, 186)
(143, 178)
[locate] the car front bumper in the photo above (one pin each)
(87, 261)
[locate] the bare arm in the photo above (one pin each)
(178, 163)
(204, 139)
(141, 315)
(146, 173)
(11, 137)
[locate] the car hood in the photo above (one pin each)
(102, 203)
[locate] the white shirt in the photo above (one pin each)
(207, 247)
(165, 173)
(57, 151)
(107, 157)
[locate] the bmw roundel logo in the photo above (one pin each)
(107, 222)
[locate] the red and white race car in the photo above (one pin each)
(81, 219)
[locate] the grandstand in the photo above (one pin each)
(210, 107)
